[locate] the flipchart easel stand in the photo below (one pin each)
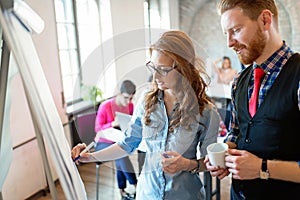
(5, 56)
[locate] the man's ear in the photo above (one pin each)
(266, 18)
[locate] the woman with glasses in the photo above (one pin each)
(106, 118)
(174, 118)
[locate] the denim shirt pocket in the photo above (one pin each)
(152, 131)
(184, 139)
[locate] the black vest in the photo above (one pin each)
(273, 132)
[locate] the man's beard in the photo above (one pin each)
(254, 49)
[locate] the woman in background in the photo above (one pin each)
(225, 73)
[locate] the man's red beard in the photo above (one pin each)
(253, 50)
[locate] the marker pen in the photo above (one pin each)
(85, 150)
(166, 155)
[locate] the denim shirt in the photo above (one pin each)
(153, 183)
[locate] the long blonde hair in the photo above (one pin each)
(191, 86)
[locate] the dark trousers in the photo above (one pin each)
(236, 196)
(125, 170)
(141, 159)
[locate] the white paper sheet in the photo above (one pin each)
(112, 134)
(116, 135)
(6, 152)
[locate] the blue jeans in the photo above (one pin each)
(124, 167)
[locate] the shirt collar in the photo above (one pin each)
(160, 96)
(277, 59)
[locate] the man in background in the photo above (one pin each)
(106, 118)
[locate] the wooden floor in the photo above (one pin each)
(108, 188)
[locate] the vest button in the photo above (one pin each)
(248, 141)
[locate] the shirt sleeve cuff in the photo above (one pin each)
(125, 147)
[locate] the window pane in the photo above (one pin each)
(89, 40)
(68, 54)
(69, 62)
(66, 36)
(88, 27)
(76, 85)
(72, 81)
(74, 61)
(65, 63)
(64, 11)
(87, 12)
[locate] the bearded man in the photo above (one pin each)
(264, 157)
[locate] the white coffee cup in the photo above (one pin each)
(216, 154)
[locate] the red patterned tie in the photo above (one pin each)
(258, 74)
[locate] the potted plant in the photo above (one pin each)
(92, 93)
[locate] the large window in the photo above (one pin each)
(84, 26)
(152, 14)
(157, 20)
(68, 49)
(88, 27)
(78, 31)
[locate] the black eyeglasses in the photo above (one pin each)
(161, 69)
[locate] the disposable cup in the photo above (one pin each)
(216, 154)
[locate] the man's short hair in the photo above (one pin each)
(252, 8)
(128, 87)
